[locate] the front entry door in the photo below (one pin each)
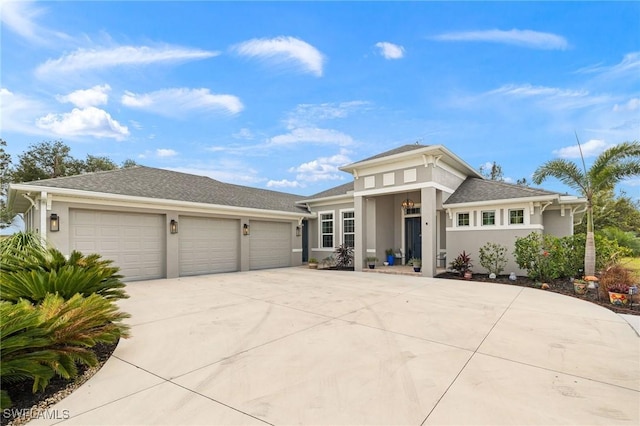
(412, 237)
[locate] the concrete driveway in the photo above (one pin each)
(299, 346)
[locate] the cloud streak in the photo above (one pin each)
(20, 17)
(177, 101)
(390, 50)
(102, 58)
(284, 50)
(312, 135)
(591, 148)
(523, 38)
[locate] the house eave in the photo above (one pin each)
(550, 197)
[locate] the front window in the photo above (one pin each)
(516, 217)
(488, 218)
(326, 230)
(463, 219)
(349, 229)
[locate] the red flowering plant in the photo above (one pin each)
(541, 256)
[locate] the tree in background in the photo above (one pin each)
(492, 172)
(46, 160)
(610, 167)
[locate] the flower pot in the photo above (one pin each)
(372, 266)
(618, 299)
(391, 259)
(385, 263)
(416, 268)
(468, 275)
(313, 266)
(580, 288)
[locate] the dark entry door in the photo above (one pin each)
(412, 237)
(305, 240)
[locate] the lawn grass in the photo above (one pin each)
(632, 263)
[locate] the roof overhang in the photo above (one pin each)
(21, 204)
(561, 199)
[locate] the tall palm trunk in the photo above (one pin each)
(590, 244)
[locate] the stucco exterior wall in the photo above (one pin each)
(557, 224)
(315, 250)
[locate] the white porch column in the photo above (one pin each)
(428, 229)
(360, 249)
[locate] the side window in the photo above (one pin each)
(326, 230)
(516, 217)
(488, 218)
(349, 228)
(463, 219)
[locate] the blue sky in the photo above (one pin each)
(278, 95)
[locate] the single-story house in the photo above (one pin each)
(419, 200)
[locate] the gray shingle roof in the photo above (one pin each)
(399, 150)
(148, 182)
(474, 189)
(331, 192)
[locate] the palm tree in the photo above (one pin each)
(610, 167)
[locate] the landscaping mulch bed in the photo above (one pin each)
(28, 405)
(557, 286)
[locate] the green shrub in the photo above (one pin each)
(542, 256)
(40, 341)
(30, 272)
(462, 263)
(493, 257)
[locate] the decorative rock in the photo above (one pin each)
(512, 276)
(545, 286)
(492, 276)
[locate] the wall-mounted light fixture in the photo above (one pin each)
(54, 223)
(407, 203)
(245, 229)
(298, 230)
(173, 226)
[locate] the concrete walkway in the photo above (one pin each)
(299, 346)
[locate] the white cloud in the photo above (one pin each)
(100, 58)
(243, 133)
(323, 168)
(307, 115)
(284, 183)
(552, 97)
(97, 95)
(591, 148)
(284, 50)
(89, 121)
(312, 135)
(529, 90)
(524, 38)
(163, 152)
(390, 50)
(21, 17)
(631, 105)
(19, 112)
(630, 64)
(171, 102)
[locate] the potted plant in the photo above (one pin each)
(615, 282)
(462, 265)
(580, 286)
(371, 261)
(416, 262)
(390, 256)
(313, 263)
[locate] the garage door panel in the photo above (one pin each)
(135, 242)
(208, 245)
(270, 245)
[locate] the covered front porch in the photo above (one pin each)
(409, 222)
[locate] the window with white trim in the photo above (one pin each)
(488, 218)
(349, 229)
(464, 219)
(516, 217)
(326, 230)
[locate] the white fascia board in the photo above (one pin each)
(571, 199)
(403, 188)
(103, 198)
(539, 198)
(347, 198)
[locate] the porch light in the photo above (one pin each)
(407, 203)
(245, 229)
(54, 223)
(173, 226)
(298, 230)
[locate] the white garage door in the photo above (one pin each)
(270, 245)
(134, 241)
(208, 245)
